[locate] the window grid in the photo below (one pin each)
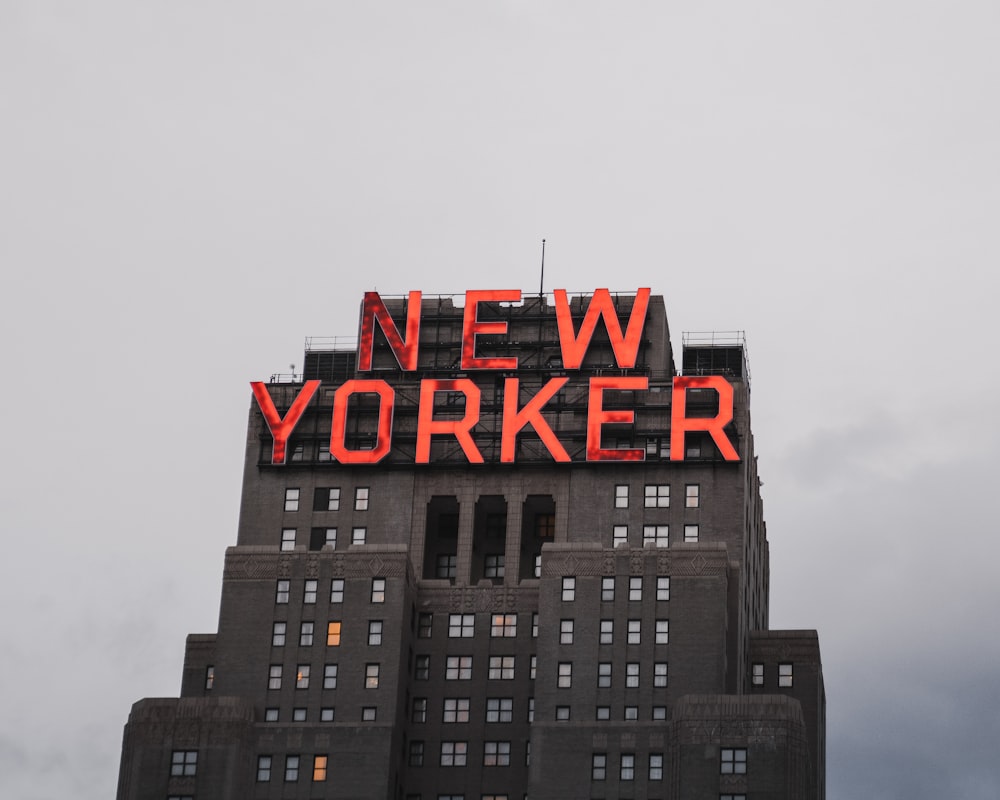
(663, 631)
(733, 761)
(598, 766)
(569, 589)
(504, 626)
(657, 496)
(607, 631)
(456, 709)
(496, 754)
(619, 535)
(309, 589)
(628, 767)
(359, 535)
(459, 668)
(337, 590)
(656, 766)
(425, 626)
(184, 762)
(662, 588)
(621, 496)
(566, 631)
(607, 589)
(635, 588)
(461, 626)
(263, 769)
(333, 634)
(656, 535)
(378, 590)
(632, 675)
(361, 498)
(291, 769)
(499, 709)
(604, 675)
(329, 676)
(319, 768)
(302, 676)
(306, 634)
(634, 631)
(278, 634)
(291, 499)
(371, 676)
(690, 533)
(785, 675)
(454, 754)
(281, 592)
(501, 668)
(374, 632)
(757, 674)
(288, 538)
(564, 679)
(274, 676)
(692, 495)
(660, 674)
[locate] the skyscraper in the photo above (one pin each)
(495, 549)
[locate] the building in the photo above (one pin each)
(498, 549)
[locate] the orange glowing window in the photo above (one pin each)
(333, 634)
(319, 768)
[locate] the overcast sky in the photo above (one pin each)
(188, 189)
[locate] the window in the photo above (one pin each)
(692, 497)
(607, 590)
(263, 769)
(416, 754)
(662, 588)
(531, 709)
(496, 754)
(660, 674)
(418, 711)
(281, 592)
(333, 634)
(291, 499)
(378, 590)
(534, 625)
(425, 622)
(361, 498)
(326, 499)
(359, 535)
(499, 709)
(326, 714)
(461, 626)
(690, 533)
(564, 680)
(319, 768)
(325, 537)
(663, 631)
(565, 631)
(632, 675)
(562, 713)
(604, 675)
(422, 668)
(309, 592)
(374, 632)
(634, 631)
(657, 496)
(656, 766)
(270, 715)
(757, 674)
(619, 535)
(656, 535)
(274, 676)
(621, 496)
(536, 571)
(545, 526)
(445, 566)
(785, 675)
(302, 676)
(305, 634)
(337, 590)
(288, 538)
(598, 766)
(456, 709)
(734, 761)
(453, 754)
(291, 769)
(635, 588)
(298, 452)
(631, 713)
(459, 668)
(184, 762)
(569, 589)
(659, 712)
(533, 667)
(628, 767)
(493, 566)
(504, 626)
(209, 677)
(607, 635)
(368, 713)
(330, 676)
(501, 668)
(371, 676)
(603, 713)
(299, 714)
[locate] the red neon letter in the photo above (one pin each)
(405, 352)
(386, 401)
(280, 428)
(514, 420)
(426, 425)
(681, 424)
(626, 348)
(597, 416)
(472, 327)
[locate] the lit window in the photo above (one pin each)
(757, 674)
(499, 709)
(359, 535)
(628, 767)
(330, 676)
(461, 626)
(531, 709)
(288, 538)
(619, 535)
(566, 631)
(494, 566)
(692, 496)
(660, 674)
(657, 496)
(504, 626)
(422, 668)
(545, 526)
(631, 713)
(662, 588)
(306, 634)
(785, 675)
(361, 498)
(291, 499)
(184, 762)
(337, 590)
(632, 675)
(456, 709)
(564, 679)
(607, 590)
(459, 668)
(621, 496)
(371, 676)
(659, 712)
(309, 592)
(418, 711)
(374, 632)
(445, 566)
(263, 769)
(368, 713)
(663, 631)
(326, 499)
(425, 625)
(656, 766)
(534, 625)
(604, 675)
(298, 715)
(634, 631)
(209, 677)
(656, 535)
(281, 592)
(690, 533)
(603, 713)
(378, 590)
(326, 714)
(302, 676)
(635, 589)
(270, 715)
(501, 668)
(333, 634)
(291, 769)
(274, 676)
(416, 754)
(568, 589)
(733, 761)
(453, 754)
(319, 768)
(607, 635)
(496, 754)
(598, 766)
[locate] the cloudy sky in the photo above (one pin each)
(188, 189)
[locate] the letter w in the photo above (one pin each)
(625, 347)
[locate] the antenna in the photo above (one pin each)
(541, 281)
